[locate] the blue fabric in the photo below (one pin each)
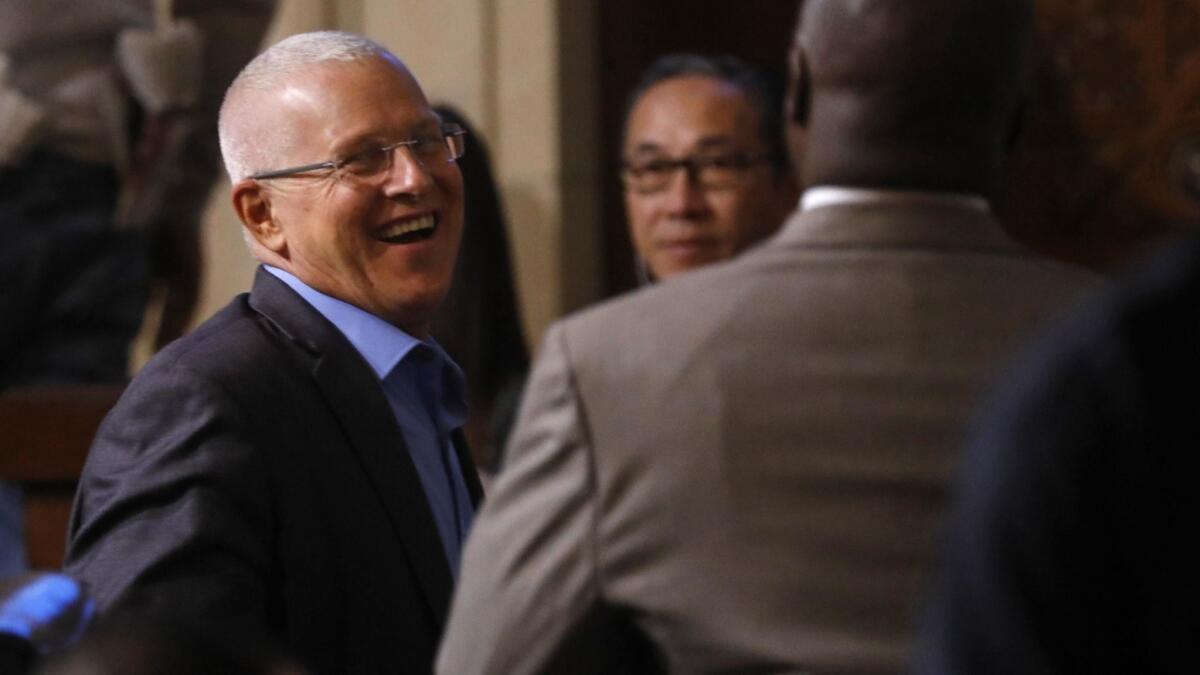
(12, 531)
(50, 611)
(426, 391)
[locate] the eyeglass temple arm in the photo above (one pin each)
(282, 173)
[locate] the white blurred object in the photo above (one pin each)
(164, 69)
(21, 120)
(163, 66)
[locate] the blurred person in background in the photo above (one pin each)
(704, 164)
(1067, 550)
(108, 152)
(479, 322)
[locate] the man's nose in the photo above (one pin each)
(407, 173)
(684, 195)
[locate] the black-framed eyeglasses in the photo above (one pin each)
(715, 171)
(430, 150)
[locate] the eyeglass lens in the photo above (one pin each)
(428, 151)
(714, 172)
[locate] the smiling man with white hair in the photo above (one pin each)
(296, 465)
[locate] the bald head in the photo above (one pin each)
(922, 94)
(251, 138)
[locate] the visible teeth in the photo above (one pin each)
(423, 223)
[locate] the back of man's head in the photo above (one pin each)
(922, 94)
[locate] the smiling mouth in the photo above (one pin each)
(409, 231)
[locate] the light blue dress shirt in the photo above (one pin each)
(427, 394)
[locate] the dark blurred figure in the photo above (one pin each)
(1068, 552)
(479, 322)
(704, 163)
(40, 613)
(108, 152)
(153, 645)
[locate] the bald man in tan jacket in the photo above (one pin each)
(743, 469)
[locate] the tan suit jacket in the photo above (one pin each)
(745, 467)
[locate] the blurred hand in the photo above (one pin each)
(49, 610)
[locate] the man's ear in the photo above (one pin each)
(799, 90)
(252, 202)
(797, 110)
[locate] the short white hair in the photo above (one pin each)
(245, 156)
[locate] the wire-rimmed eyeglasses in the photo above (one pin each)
(718, 171)
(429, 150)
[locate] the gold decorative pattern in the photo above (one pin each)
(1112, 151)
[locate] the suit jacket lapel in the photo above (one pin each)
(470, 475)
(356, 398)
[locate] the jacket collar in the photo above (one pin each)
(929, 225)
(356, 399)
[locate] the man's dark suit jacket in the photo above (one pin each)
(254, 473)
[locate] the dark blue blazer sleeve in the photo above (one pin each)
(173, 510)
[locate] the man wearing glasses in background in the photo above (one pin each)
(703, 162)
(296, 465)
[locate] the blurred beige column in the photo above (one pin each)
(522, 71)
